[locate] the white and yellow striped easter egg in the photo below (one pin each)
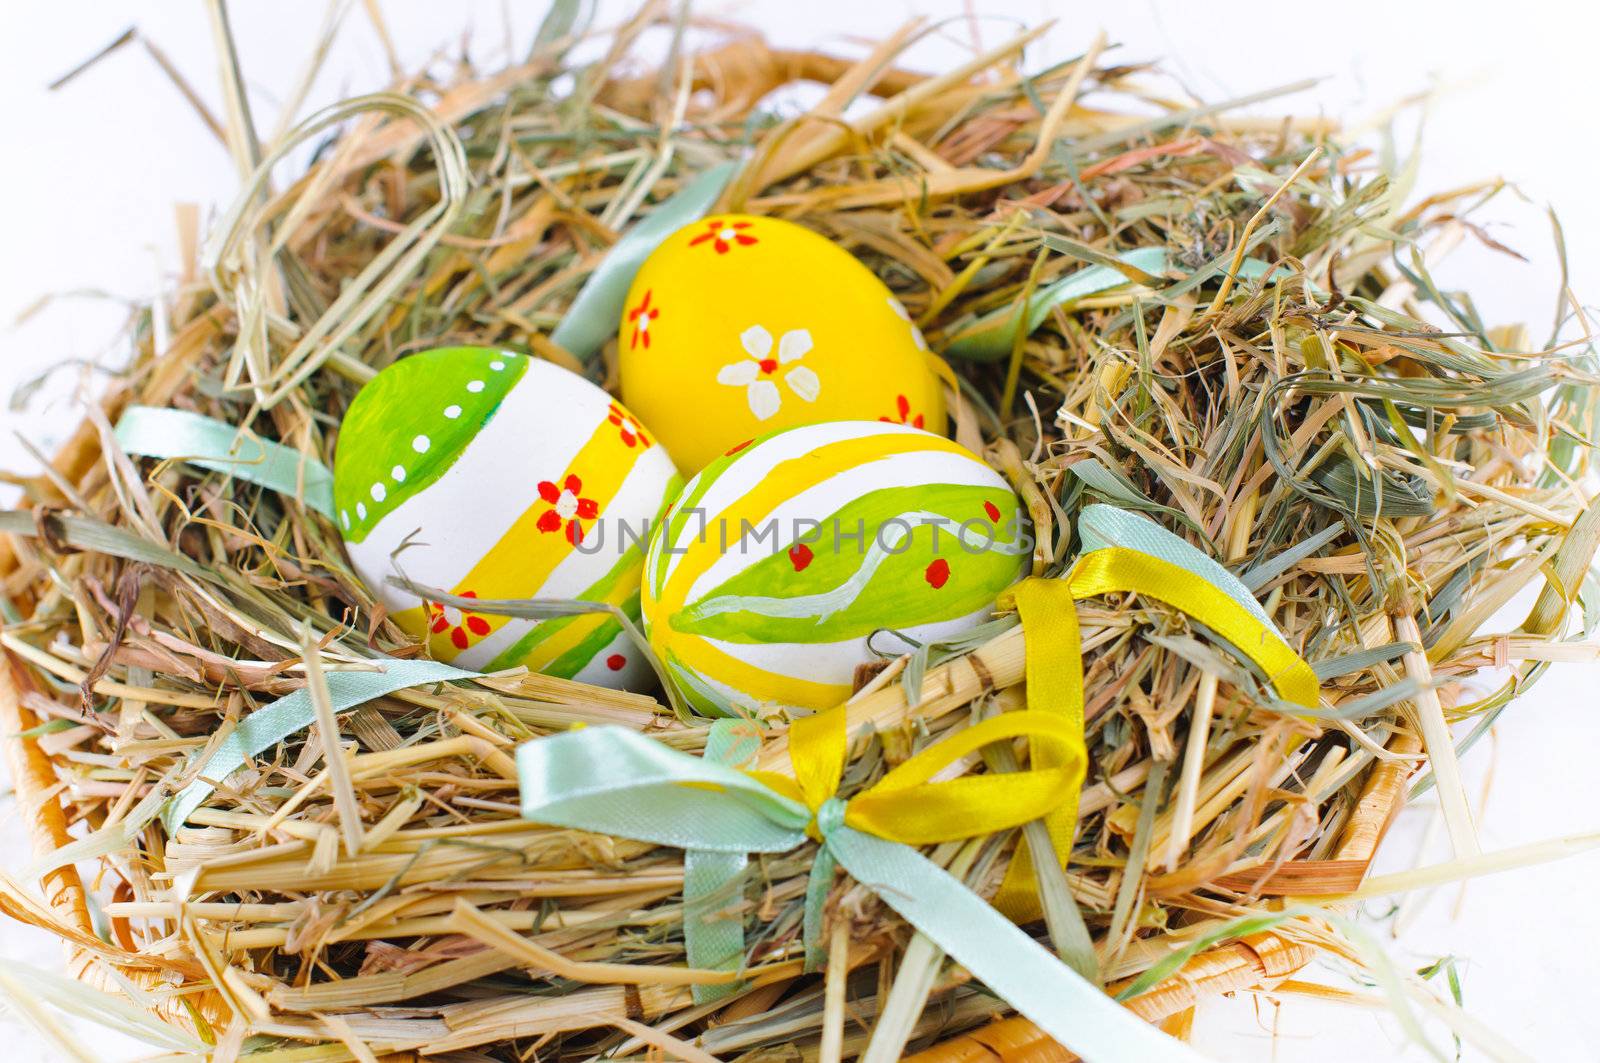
(780, 560)
(491, 475)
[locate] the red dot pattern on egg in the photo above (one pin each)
(937, 574)
(992, 509)
(616, 662)
(800, 556)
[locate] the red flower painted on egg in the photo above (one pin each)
(568, 508)
(632, 434)
(463, 626)
(903, 408)
(641, 316)
(725, 235)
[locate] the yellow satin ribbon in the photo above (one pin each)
(905, 806)
(1114, 569)
(1054, 673)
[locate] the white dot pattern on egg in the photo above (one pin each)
(526, 481)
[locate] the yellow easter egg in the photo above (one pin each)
(737, 326)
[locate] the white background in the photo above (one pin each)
(91, 174)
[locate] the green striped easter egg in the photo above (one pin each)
(779, 560)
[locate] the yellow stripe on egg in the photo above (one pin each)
(509, 569)
(705, 657)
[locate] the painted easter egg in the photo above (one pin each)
(491, 475)
(779, 560)
(737, 326)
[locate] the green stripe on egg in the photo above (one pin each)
(447, 396)
(574, 660)
(847, 591)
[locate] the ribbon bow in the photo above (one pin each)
(905, 806)
(614, 781)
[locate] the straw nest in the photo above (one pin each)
(1382, 469)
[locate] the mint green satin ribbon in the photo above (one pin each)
(713, 881)
(292, 713)
(1100, 526)
(158, 432)
(609, 780)
(992, 336)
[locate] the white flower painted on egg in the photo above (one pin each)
(754, 374)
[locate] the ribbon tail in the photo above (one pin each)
(268, 726)
(1077, 1014)
(713, 881)
(817, 886)
(1049, 615)
(157, 432)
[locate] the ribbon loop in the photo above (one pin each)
(1126, 552)
(610, 780)
(818, 745)
(905, 806)
(1117, 568)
